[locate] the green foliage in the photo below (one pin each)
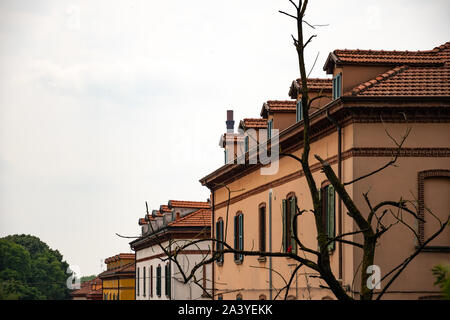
(30, 270)
(442, 274)
(87, 278)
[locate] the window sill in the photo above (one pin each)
(262, 259)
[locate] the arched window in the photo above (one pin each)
(262, 297)
(220, 296)
(289, 206)
(262, 226)
(239, 296)
(219, 237)
(239, 236)
(327, 195)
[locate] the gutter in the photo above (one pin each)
(270, 244)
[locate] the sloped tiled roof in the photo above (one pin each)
(253, 123)
(277, 106)
(164, 208)
(119, 256)
(314, 84)
(189, 204)
(411, 80)
(126, 268)
(434, 57)
(199, 218)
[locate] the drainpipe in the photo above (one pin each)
(339, 156)
(213, 201)
(270, 243)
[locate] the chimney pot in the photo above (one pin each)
(230, 121)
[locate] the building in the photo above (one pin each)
(89, 290)
(371, 94)
(118, 278)
(174, 225)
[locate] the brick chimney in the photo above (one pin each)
(230, 121)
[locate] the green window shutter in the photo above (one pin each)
(293, 243)
(339, 85)
(284, 225)
(221, 239)
(165, 279)
(299, 111)
(137, 282)
(334, 88)
(269, 129)
(158, 281)
(241, 235)
(246, 144)
(169, 281)
(143, 282)
(331, 215)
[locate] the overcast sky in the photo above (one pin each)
(107, 104)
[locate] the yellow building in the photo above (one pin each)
(119, 277)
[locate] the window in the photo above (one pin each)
(269, 128)
(289, 206)
(143, 282)
(262, 297)
(167, 278)
(239, 236)
(239, 296)
(137, 282)
(158, 281)
(220, 296)
(226, 156)
(246, 144)
(262, 227)
(151, 281)
(114, 296)
(219, 237)
(328, 207)
(337, 86)
(299, 111)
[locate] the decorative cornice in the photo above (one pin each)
(354, 152)
(186, 252)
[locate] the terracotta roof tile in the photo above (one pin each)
(253, 123)
(435, 57)
(407, 81)
(199, 218)
(277, 106)
(120, 256)
(126, 268)
(188, 204)
(314, 84)
(164, 208)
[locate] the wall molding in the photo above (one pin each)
(354, 152)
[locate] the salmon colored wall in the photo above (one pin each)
(231, 276)
(355, 75)
(416, 281)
